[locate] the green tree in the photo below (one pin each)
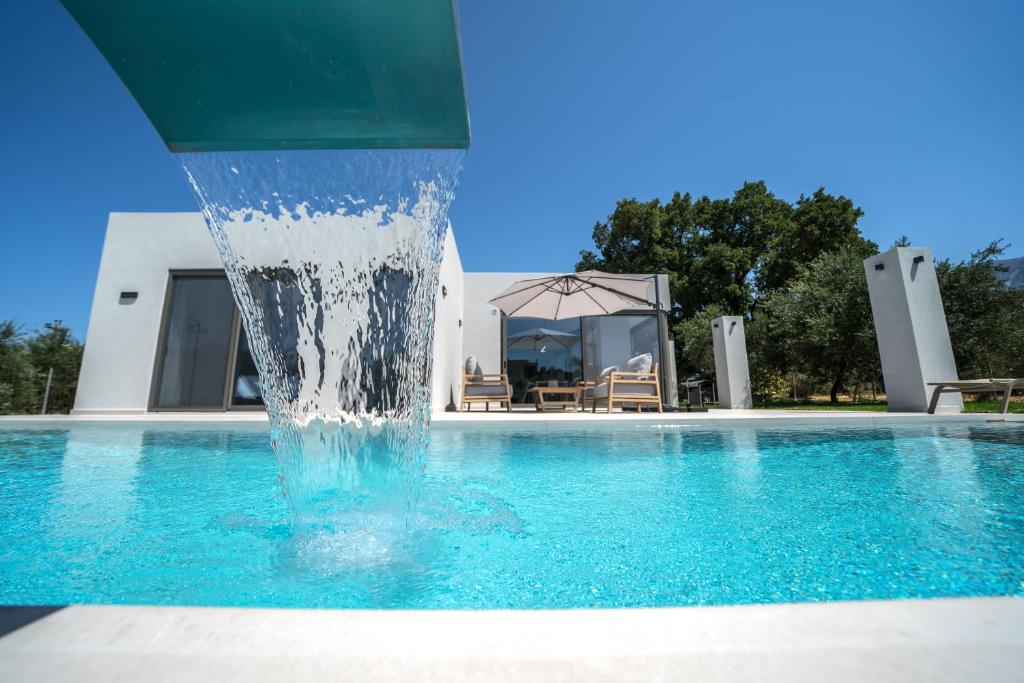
(721, 253)
(983, 314)
(821, 323)
(693, 337)
(17, 377)
(55, 348)
(818, 224)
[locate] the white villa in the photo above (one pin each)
(165, 333)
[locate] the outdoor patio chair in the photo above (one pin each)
(586, 387)
(636, 385)
(481, 387)
(975, 386)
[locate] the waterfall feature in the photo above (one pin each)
(333, 259)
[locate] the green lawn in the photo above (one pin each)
(993, 406)
(874, 406)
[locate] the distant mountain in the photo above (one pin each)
(1013, 276)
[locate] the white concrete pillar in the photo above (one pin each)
(910, 324)
(731, 371)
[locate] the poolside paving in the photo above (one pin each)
(975, 639)
(942, 640)
(527, 415)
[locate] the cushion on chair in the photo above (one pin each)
(601, 390)
(472, 366)
(635, 390)
(608, 370)
(485, 390)
(641, 363)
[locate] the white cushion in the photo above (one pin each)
(641, 363)
(608, 370)
(601, 390)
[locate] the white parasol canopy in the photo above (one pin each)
(574, 295)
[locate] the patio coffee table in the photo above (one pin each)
(567, 397)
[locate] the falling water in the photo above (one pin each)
(333, 259)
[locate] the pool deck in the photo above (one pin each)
(976, 639)
(528, 415)
(969, 639)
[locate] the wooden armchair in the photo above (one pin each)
(629, 387)
(586, 391)
(485, 388)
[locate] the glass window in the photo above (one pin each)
(614, 339)
(197, 343)
(276, 293)
(540, 352)
(246, 390)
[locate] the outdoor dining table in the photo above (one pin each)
(567, 397)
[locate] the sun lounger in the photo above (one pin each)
(974, 386)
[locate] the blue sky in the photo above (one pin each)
(913, 109)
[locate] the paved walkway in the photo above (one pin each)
(529, 415)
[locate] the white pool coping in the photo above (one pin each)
(941, 640)
(973, 639)
(523, 417)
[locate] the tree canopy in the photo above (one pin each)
(26, 361)
(724, 252)
(795, 272)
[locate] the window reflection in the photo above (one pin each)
(247, 390)
(542, 353)
(197, 340)
(614, 339)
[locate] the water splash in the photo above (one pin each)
(333, 259)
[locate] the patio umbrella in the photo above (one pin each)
(574, 295)
(541, 337)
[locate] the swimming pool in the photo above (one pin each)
(523, 517)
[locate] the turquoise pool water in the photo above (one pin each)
(516, 517)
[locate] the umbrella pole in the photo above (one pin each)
(583, 354)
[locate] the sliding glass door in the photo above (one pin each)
(245, 388)
(613, 339)
(539, 352)
(199, 326)
(204, 361)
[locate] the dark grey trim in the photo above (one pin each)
(229, 376)
(13, 617)
(161, 333)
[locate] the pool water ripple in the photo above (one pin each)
(514, 517)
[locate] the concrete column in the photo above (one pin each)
(910, 323)
(731, 371)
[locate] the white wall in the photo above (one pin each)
(120, 347)
(139, 251)
(731, 370)
(910, 324)
(447, 330)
